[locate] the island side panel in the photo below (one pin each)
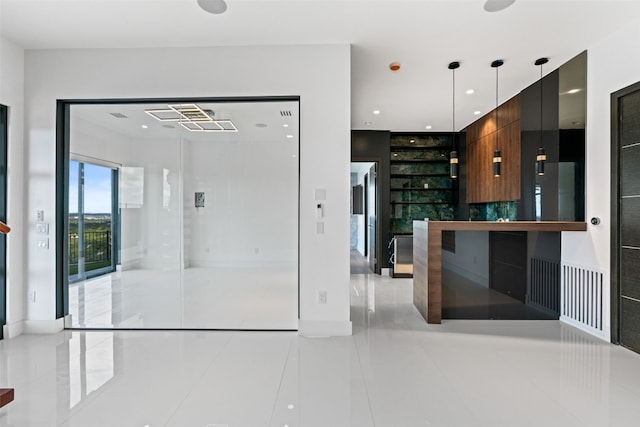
(420, 267)
(434, 263)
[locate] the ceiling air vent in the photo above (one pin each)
(118, 115)
(286, 113)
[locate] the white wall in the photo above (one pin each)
(471, 259)
(12, 95)
(251, 203)
(612, 65)
(320, 75)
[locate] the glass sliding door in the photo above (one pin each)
(91, 220)
(241, 242)
(204, 222)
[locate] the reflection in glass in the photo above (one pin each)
(231, 263)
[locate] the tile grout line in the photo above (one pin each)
(284, 369)
(364, 381)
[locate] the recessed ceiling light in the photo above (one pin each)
(497, 5)
(412, 140)
(261, 125)
(367, 123)
(145, 127)
(285, 125)
(470, 91)
(376, 112)
(428, 127)
(572, 91)
(290, 406)
(289, 136)
(476, 112)
(395, 154)
(213, 6)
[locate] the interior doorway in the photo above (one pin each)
(364, 218)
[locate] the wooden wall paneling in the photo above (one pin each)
(420, 267)
(507, 187)
(473, 171)
(493, 131)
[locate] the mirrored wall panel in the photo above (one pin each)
(183, 215)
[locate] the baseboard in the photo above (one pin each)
(12, 330)
(43, 326)
(603, 335)
(324, 328)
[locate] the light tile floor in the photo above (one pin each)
(395, 371)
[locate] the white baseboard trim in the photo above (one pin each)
(12, 330)
(43, 326)
(603, 335)
(324, 328)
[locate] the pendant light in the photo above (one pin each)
(541, 156)
(497, 156)
(453, 157)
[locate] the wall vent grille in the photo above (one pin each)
(544, 285)
(582, 298)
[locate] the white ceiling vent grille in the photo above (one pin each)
(286, 113)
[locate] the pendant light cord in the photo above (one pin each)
(541, 127)
(497, 98)
(453, 124)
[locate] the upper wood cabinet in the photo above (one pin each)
(497, 130)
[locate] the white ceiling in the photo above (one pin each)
(423, 35)
(256, 121)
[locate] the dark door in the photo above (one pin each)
(629, 223)
(373, 220)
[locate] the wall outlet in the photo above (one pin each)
(322, 297)
(43, 243)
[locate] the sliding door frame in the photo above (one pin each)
(4, 139)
